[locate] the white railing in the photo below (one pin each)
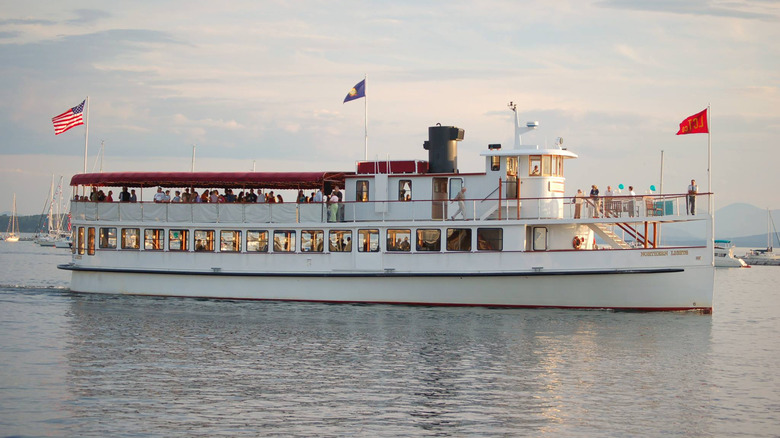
(644, 207)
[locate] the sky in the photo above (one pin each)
(260, 84)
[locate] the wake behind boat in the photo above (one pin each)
(401, 232)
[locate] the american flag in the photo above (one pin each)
(68, 119)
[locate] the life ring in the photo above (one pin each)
(576, 242)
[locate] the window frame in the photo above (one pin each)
(105, 238)
(260, 241)
(480, 233)
(365, 245)
(157, 237)
(233, 244)
(340, 234)
(125, 235)
(392, 233)
(418, 237)
(316, 241)
(361, 190)
(183, 241)
(450, 234)
(209, 240)
(289, 236)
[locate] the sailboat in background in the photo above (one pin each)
(12, 231)
(54, 234)
(765, 256)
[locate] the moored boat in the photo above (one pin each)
(402, 232)
(765, 256)
(724, 256)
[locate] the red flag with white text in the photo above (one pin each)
(695, 124)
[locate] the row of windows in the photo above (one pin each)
(397, 240)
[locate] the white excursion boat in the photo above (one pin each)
(392, 237)
(724, 256)
(12, 230)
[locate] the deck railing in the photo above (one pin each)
(632, 208)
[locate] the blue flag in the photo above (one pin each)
(357, 91)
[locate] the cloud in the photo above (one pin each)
(87, 16)
(744, 10)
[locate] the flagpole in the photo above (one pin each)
(86, 134)
(365, 116)
(709, 158)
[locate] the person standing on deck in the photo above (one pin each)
(691, 198)
(461, 198)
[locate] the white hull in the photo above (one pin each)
(11, 238)
(625, 285)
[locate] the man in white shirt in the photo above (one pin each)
(691, 198)
(631, 203)
(159, 196)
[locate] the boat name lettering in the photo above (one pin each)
(676, 252)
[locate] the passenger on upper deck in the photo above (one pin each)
(159, 196)
(110, 198)
(124, 195)
(251, 197)
(133, 197)
(461, 198)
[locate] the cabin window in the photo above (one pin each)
(535, 165)
(80, 242)
(368, 240)
(204, 240)
(428, 240)
(405, 190)
(284, 241)
(361, 190)
(74, 240)
(153, 239)
(230, 241)
(458, 239)
(312, 240)
(490, 239)
(539, 238)
(256, 241)
(455, 185)
(340, 241)
(131, 238)
(177, 240)
(495, 163)
(399, 240)
(91, 241)
(108, 238)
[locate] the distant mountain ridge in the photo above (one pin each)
(744, 224)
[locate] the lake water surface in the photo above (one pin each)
(92, 365)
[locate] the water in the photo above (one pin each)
(85, 365)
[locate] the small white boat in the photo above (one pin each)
(12, 231)
(724, 256)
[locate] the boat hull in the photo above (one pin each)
(660, 289)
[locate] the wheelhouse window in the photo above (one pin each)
(428, 240)
(340, 241)
(107, 238)
(153, 239)
(230, 241)
(490, 239)
(257, 241)
(405, 190)
(204, 240)
(91, 241)
(399, 240)
(74, 239)
(312, 240)
(535, 165)
(284, 241)
(131, 238)
(361, 188)
(539, 238)
(557, 165)
(368, 240)
(177, 240)
(458, 239)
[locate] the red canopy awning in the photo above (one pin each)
(264, 180)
